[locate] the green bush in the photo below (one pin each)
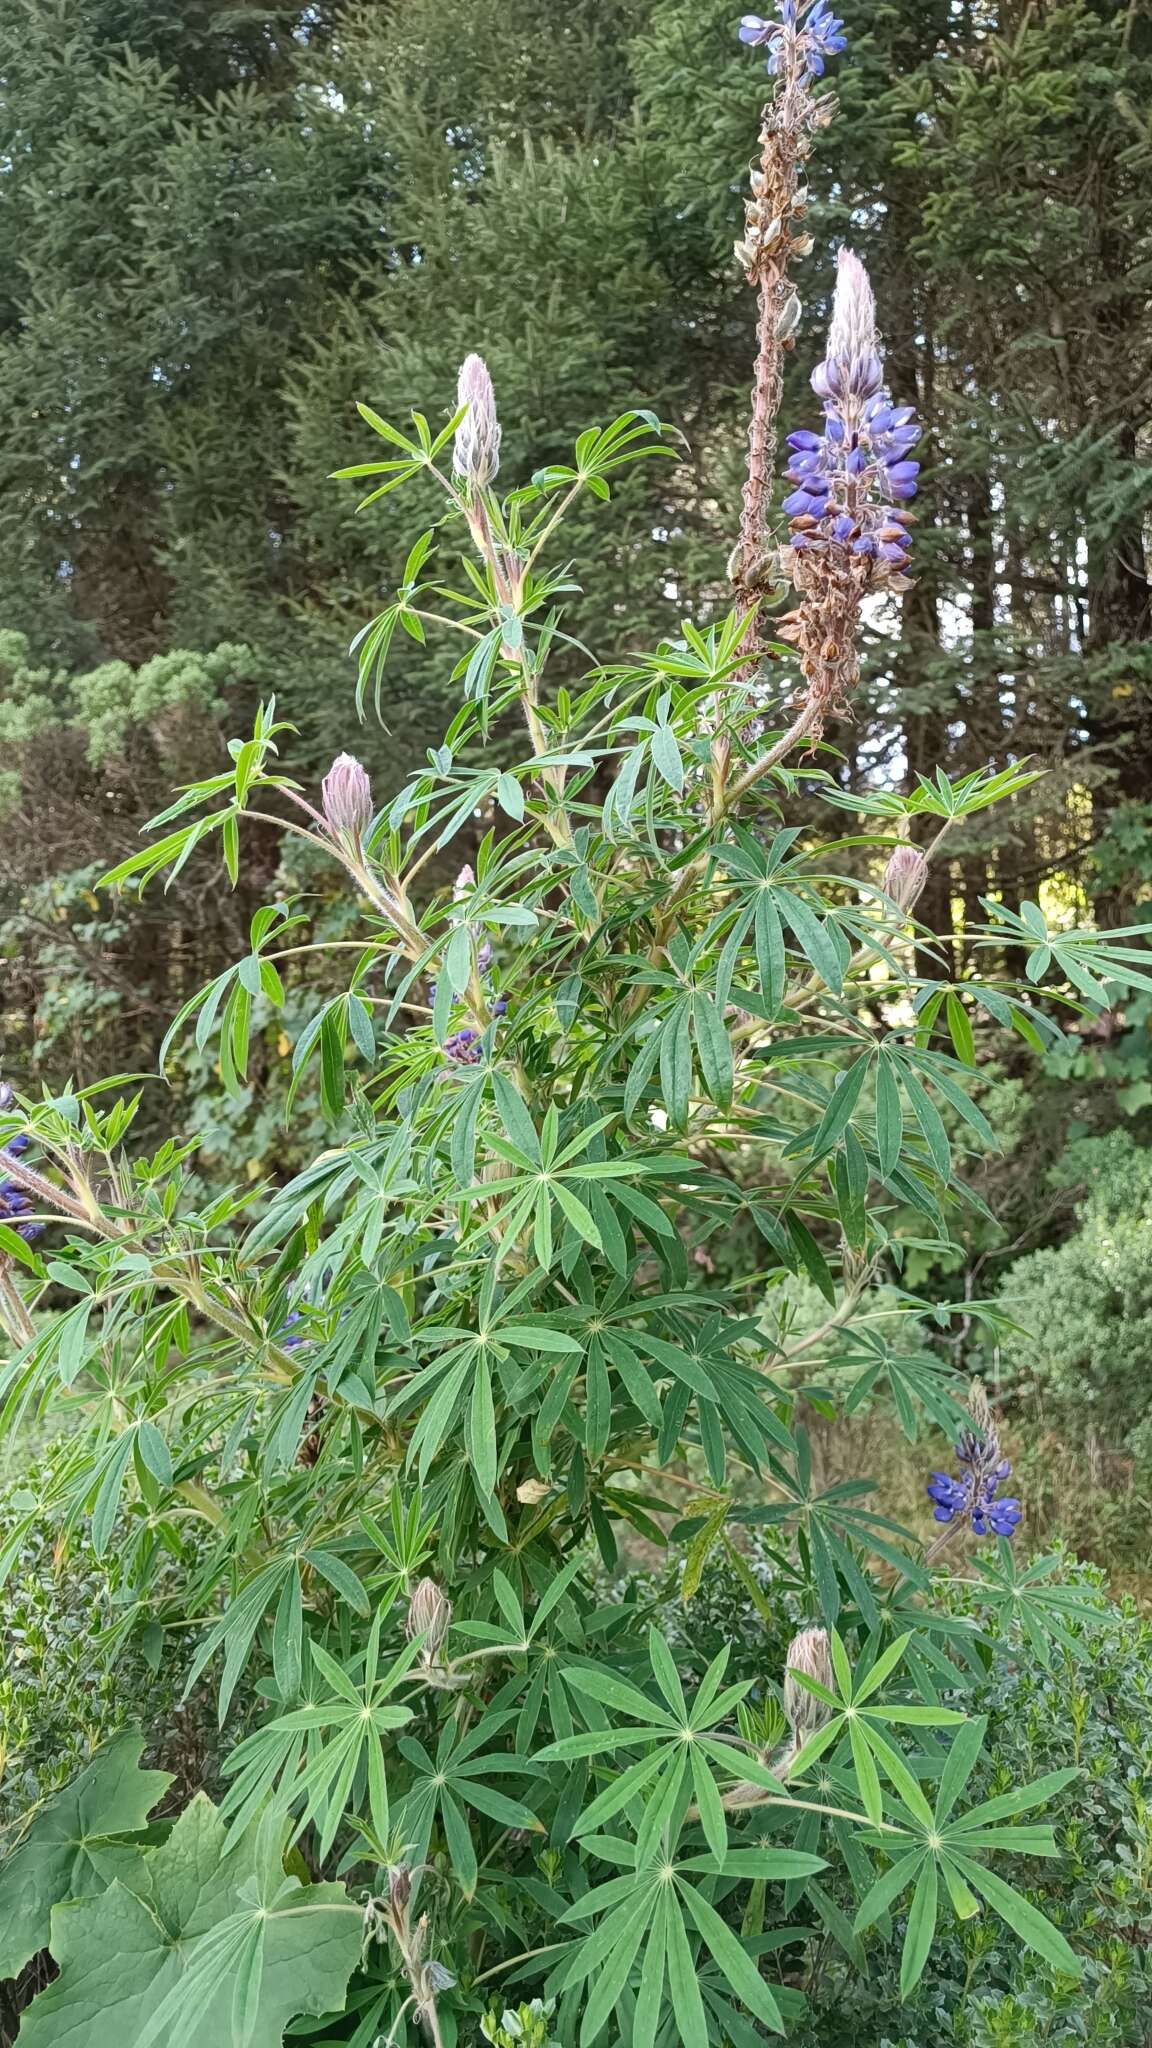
(71, 1676)
(1086, 1307)
(481, 1330)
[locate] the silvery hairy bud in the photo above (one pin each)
(477, 453)
(7, 1095)
(429, 1615)
(399, 1887)
(346, 799)
(905, 876)
(852, 328)
(983, 1441)
(808, 1653)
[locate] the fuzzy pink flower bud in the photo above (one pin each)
(429, 1615)
(346, 799)
(808, 1653)
(905, 876)
(477, 455)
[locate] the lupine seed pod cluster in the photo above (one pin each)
(798, 42)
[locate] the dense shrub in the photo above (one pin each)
(72, 1678)
(1086, 1306)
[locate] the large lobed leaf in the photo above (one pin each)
(66, 1853)
(189, 1944)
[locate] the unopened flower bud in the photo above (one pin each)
(399, 1887)
(477, 453)
(418, 1938)
(808, 1653)
(346, 798)
(905, 876)
(429, 1615)
(7, 1095)
(981, 1444)
(979, 1408)
(852, 328)
(465, 880)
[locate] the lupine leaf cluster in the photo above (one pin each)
(417, 1397)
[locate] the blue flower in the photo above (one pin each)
(463, 1047)
(800, 38)
(854, 478)
(15, 1200)
(974, 1496)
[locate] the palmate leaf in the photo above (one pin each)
(830, 1525)
(928, 1844)
(916, 1380)
(855, 1710)
(196, 1941)
(458, 1778)
(343, 1735)
(682, 1756)
(1023, 1597)
(654, 1924)
(65, 1854)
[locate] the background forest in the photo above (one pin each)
(220, 225)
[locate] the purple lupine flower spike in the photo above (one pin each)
(851, 481)
(975, 1497)
(800, 40)
(15, 1201)
(849, 526)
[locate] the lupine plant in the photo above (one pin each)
(414, 1401)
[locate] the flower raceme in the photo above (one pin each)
(849, 520)
(15, 1201)
(852, 480)
(799, 41)
(974, 1497)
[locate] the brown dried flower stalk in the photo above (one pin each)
(773, 235)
